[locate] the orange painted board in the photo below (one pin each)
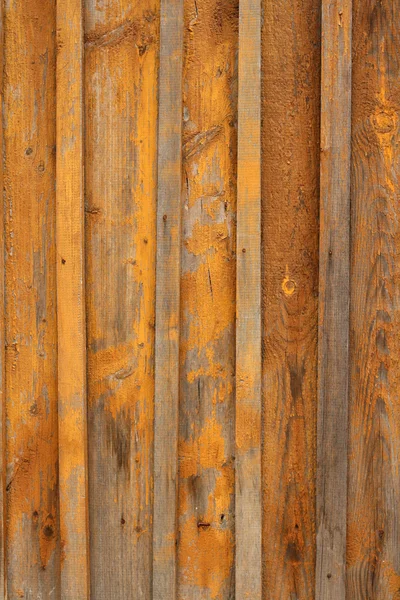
(248, 503)
(208, 278)
(29, 171)
(71, 322)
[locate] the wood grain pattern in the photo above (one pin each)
(290, 189)
(333, 345)
(207, 349)
(174, 423)
(373, 557)
(248, 509)
(121, 46)
(72, 407)
(167, 301)
(31, 333)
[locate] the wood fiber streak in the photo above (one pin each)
(333, 346)
(290, 199)
(30, 272)
(373, 557)
(121, 50)
(72, 409)
(168, 301)
(248, 499)
(207, 348)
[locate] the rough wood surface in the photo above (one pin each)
(290, 198)
(121, 48)
(207, 348)
(167, 301)
(72, 408)
(373, 556)
(333, 347)
(221, 433)
(30, 272)
(248, 509)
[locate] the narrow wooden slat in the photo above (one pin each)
(248, 520)
(3, 459)
(31, 326)
(72, 409)
(167, 300)
(290, 205)
(121, 57)
(206, 507)
(334, 300)
(373, 518)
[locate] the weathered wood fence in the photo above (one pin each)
(200, 349)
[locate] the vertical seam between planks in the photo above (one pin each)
(248, 493)
(72, 417)
(334, 301)
(167, 301)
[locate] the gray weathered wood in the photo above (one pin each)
(248, 521)
(334, 300)
(71, 321)
(167, 300)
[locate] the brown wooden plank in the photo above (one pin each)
(3, 456)
(207, 349)
(167, 300)
(31, 332)
(373, 555)
(334, 300)
(121, 49)
(72, 408)
(248, 509)
(290, 200)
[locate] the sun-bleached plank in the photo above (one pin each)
(72, 410)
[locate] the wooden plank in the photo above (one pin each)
(334, 300)
(3, 455)
(248, 503)
(290, 201)
(206, 541)
(72, 408)
(373, 556)
(167, 300)
(31, 331)
(121, 54)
